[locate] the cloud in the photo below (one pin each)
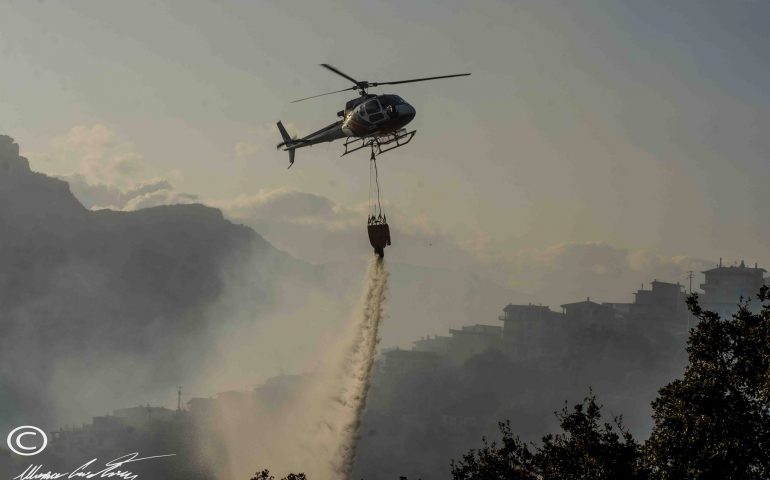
(246, 149)
(92, 194)
(110, 173)
(152, 193)
(279, 202)
(306, 225)
(291, 206)
(315, 228)
(105, 171)
(99, 155)
(572, 270)
(159, 197)
(261, 138)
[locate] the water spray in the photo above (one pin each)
(359, 369)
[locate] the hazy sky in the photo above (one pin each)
(640, 126)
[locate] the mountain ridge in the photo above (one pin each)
(81, 290)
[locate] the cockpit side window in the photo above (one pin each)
(393, 99)
(372, 106)
(388, 100)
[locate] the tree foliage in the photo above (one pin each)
(715, 421)
(587, 448)
(265, 475)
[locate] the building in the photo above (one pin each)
(520, 322)
(201, 408)
(530, 330)
(142, 416)
(587, 312)
(437, 344)
(463, 343)
(471, 340)
(725, 286)
(663, 300)
(104, 434)
(664, 306)
(513, 315)
(402, 362)
(622, 310)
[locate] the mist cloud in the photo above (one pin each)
(314, 227)
(152, 193)
(105, 171)
(571, 271)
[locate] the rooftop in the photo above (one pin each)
(478, 328)
(511, 307)
(408, 353)
(586, 302)
(742, 268)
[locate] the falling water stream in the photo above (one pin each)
(358, 370)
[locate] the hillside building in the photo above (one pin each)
(724, 287)
(587, 312)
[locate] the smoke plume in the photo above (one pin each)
(300, 423)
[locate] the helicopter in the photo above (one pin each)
(375, 121)
(369, 120)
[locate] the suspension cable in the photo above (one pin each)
(371, 191)
(373, 161)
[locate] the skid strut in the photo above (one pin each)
(382, 144)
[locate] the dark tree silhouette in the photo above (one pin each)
(265, 475)
(715, 421)
(586, 449)
(511, 459)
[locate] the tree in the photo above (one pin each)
(715, 421)
(510, 460)
(587, 449)
(265, 475)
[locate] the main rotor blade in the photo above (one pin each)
(374, 84)
(329, 67)
(322, 94)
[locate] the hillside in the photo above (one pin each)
(88, 296)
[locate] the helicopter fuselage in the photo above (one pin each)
(366, 116)
(376, 115)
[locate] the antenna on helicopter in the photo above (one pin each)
(362, 86)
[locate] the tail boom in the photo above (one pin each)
(327, 134)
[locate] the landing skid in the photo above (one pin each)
(379, 144)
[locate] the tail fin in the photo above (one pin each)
(287, 140)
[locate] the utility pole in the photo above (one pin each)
(689, 276)
(179, 399)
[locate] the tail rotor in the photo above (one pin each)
(287, 142)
